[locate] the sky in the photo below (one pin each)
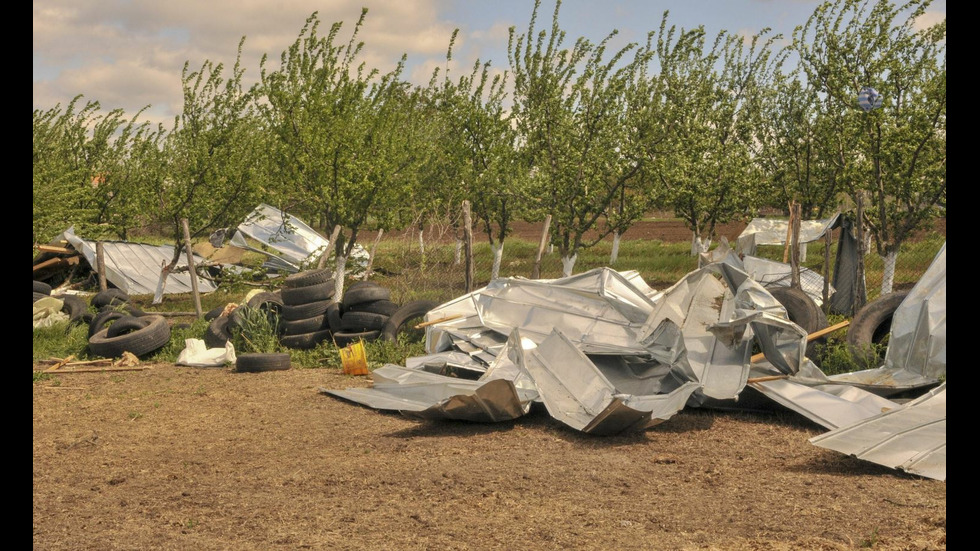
(129, 54)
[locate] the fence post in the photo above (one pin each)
(468, 246)
(794, 224)
(536, 272)
(331, 244)
(860, 292)
(191, 270)
(100, 265)
(827, 243)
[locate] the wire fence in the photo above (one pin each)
(434, 266)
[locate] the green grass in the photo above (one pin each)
(436, 276)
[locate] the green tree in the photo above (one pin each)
(899, 156)
(569, 107)
(478, 143)
(349, 140)
(89, 168)
(213, 156)
(713, 92)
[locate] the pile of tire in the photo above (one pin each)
(362, 314)
(307, 297)
(73, 305)
(224, 319)
(119, 327)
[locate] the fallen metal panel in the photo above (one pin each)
(421, 394)
(576, 392)
(916, 353)
(778, 274)
(295, 241)
(135, 267)
(768, 231)
(830, 406)
(911, 437)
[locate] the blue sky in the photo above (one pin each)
(129, 53)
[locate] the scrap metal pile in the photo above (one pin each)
(605, 353)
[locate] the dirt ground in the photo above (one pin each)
(190, 458)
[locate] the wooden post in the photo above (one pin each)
(860, 293)
(794, 265)
(789, 234)
(191, 270)
(536, 273)
(100, 265)
(468, 246)
(828, 241)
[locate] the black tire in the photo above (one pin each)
(103, 318)
(404, 320)
(255, 363)
(295, 296)
(367, 292)
(803, 312)
(306, 278)
(211, 314)
(109, 297)
(268, 301)
(867, 335)
(126, 324)
(333, 316)
(299, 327)
(345, 338)
(42, 287)
(217, 333)
(383, 307)
(150, 338)
(305, 341)
(75, 307)
(305, 311)
(355, 322)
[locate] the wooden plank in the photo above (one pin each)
(440, 320)
(54, 249)
(812, 336)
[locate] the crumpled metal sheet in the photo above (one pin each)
(295, 241)
(911, 437)
(916, 353)
(420, 394)
(577, 393)
(779, 274)
(768, 231)
(135, 267)
(829, 405)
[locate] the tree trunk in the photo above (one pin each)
(568, 264)
(614, 255)
(697, 245)
(498, 253)
(458, 254)
(888, 275)
(421, 241)
(338, 277)
(374, 247)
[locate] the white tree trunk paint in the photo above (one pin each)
(458, 255)
(421, 242)
(614, 255)
(888, 276)
(698, 246)
(498, 253)
(551, 248)
(568, 264)
(338, 277)
(802, 252)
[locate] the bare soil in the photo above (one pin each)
(190, 458)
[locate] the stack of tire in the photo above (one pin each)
(363, 313)
(119, 327)
(307, 297)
